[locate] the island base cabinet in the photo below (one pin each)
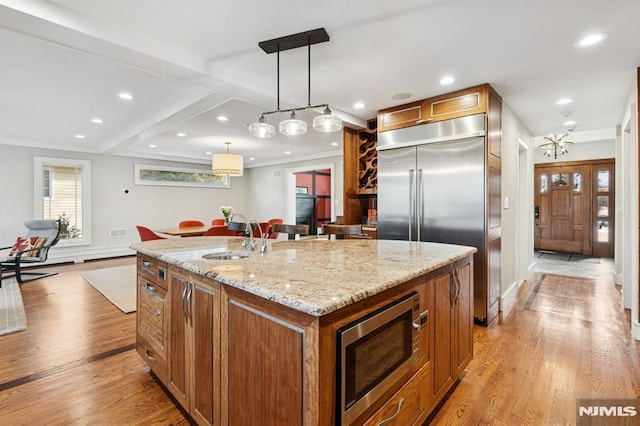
(452, 326)
(264, 363)
(194, 355)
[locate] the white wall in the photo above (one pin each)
(516, 224)
(580, 151)
(627, 207)
(153, 206)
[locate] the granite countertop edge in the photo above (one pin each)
(305, 300)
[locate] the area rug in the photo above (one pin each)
(118, 284)
(12, 316)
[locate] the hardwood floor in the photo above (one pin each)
(76, 364)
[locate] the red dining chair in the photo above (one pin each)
(147, 234)
(265, 226)
(219, 231)
(215, 222)
(273, 235)
(187, 223)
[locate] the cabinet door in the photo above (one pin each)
(264, 367)
(462, 333)
(442, 320)
(178, 345)
(204, 314)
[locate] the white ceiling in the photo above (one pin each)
(63, 62)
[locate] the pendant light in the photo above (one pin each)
(227, 164)
(326, 122)
(556, 145)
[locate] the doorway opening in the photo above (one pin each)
(310, 196)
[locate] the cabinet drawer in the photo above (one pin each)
(155, 360)
(151, 312)
(404, 407)
(153, 269)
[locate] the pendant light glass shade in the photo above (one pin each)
(262, 129)
(227, 164)
(293, 126)
(327, 122)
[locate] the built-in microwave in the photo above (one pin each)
(375, 354)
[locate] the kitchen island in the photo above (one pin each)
(254, 340)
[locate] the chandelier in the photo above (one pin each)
(556, 145)
(227, 164)
(326, 122)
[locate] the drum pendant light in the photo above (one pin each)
(227, 164)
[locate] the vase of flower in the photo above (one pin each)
(226, 212)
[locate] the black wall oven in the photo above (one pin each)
(375, 354)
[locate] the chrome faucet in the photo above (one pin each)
(250, 244)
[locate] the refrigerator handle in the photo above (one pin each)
(420, 207)
(411, 203)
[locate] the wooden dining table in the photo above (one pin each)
(186, 231)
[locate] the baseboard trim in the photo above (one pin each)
(635, 330)
(81, 254)
(508, 298)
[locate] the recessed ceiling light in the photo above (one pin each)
(79, 136)
(359, 105)
(153, 145)
(223, 118)
(287, 152)
(564, 101)
(569, 123)
(447, 80)
(334, 143)
(592, 39)
(126, 96)
(252, 158)
(208, 153)
(97, 120)
(181, 135)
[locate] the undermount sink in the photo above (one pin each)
(226, 255)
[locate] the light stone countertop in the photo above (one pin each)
(312, 276)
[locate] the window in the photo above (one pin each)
(47, 177)
(62, 191)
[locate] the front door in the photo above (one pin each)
(575, 207)
(562, 208)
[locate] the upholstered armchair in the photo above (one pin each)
(30, 250)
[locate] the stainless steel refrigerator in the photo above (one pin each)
(431, 187)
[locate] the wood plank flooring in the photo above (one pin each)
(76, 363)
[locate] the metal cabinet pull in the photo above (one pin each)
(157, 312)
(420, 206)
(456, 280)
(150, 288)
(147, 263)
(149, 357)
(411, 203)
(390, 419)
(188, 310)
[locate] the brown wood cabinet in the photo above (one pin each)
(194, 354)
(152, 318)
(236, 358)
(452, 327)
(360, 173)
(473, 100)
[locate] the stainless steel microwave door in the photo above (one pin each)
(396, 194)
